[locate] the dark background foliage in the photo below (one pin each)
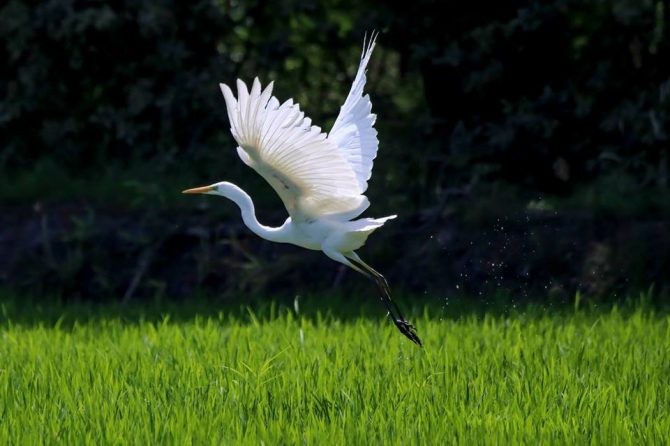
(529, 134)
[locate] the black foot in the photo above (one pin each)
(408, 330)
(385, 294)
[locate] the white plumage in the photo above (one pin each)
(308, 171)
(320, 178)
(353, 132)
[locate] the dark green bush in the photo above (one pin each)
(542, 96)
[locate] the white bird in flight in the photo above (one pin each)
(320, 178)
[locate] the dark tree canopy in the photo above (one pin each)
(487, 103)
(540, 95)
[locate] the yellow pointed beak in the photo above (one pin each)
(198, 190)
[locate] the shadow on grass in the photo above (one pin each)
(38, 311)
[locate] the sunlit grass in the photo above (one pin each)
(109, 376)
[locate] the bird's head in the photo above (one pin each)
(222, 188)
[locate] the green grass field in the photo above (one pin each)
(77, 374)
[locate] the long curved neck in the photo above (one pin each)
(246, 205)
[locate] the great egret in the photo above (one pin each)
(320, 178)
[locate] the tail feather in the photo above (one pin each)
(368, 224)
(358, 232)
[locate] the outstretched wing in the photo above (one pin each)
(353, 132)
(309, 173)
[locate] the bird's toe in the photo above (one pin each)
(408, 330)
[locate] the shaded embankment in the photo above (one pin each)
(101, 254)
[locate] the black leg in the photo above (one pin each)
(385, 294)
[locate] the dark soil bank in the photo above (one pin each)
(98, 254)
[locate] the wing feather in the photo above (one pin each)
(309, 173)
(353, 132)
